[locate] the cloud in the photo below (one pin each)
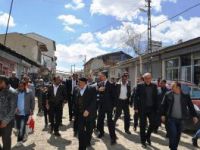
(76, 52)
(124, 10)
(4, 20)
(75, 5)
(68, 21)
(169, 32)
(86, 37)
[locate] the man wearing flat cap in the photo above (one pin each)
(85, 112)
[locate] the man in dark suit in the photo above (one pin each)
(85, 108)
(55, 98)
(14, 81)
(70, 85)
(123, 91)
(146, 105)
(107, 102)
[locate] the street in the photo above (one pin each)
(42, 140)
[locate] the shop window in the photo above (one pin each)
(172, 69)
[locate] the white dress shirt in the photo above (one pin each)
(123, 92)
(55, 89)
(83, 90)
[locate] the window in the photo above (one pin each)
(172, 69)
(186, 68)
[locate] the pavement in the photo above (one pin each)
(42, 140)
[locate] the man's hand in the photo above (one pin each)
(195, 120)
(163, 119)
(47, 106)
(3, 125)
(86, 113)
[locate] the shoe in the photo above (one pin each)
(57, 134)
(113, 142)
(128, 132)
(194, 142)
(88, 145)
(149, 141)
(19, 144)
(100, 135)
(25, 138)
(144, 145)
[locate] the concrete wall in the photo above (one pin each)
(23, 45)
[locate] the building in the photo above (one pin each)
(177, 62)
(11, 61)
(103, 62)
(48, 57)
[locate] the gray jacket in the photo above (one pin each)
(29, 103)
(8, 105)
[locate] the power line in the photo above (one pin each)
(7, 27)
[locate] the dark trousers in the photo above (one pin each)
(46, 115)
(85, 130)
(143, 116)
(71, 108)
(55, 116)
(136, 118)
(174, 129)
(75, 125)
(6, 133)
(111, 124)
(21, 126)
(123, 105)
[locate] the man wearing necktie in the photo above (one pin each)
(107, 102)
(85, 112)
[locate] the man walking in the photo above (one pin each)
(85, 108)
(70, 85)
(106, 104)
(7, 112)
(55, 98)
(25, 108)
(14, 81)
(123, 91)
(146, 105)
(175, 105)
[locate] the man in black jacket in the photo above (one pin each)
(175, 106)
(14, 81)
(146, 105)
(8, 100)
(70, 85)
(56, 96)
(123, 91)
(107, 102)
(85, 108)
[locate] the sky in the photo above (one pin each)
(94, 27)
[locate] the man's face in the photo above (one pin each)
(21, 87)
(2, 85)
(101, 77)
(81, 84)
(147, 79)
(124, 79)
(162, 84)
(13, 75)
(57, 81)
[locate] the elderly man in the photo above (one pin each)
(146, 105)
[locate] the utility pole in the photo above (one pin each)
(149, 32)
(7, 27)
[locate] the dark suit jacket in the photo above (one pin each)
(140, 97)
(107, 99)
(88, 101)
(118, 90)
(68, 85)
(61, 95)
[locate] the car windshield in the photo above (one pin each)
(195, 93)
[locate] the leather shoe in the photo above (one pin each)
(113, 142)
(100, 135)
(149, 141)
(128, 132)
(57, 134)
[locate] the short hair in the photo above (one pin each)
(83, 79)
(105, 73)
(4, 79)
(147, 74)
(164, 81)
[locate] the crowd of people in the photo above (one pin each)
(90, 102)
